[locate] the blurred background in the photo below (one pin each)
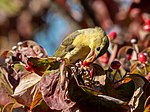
(48, 22)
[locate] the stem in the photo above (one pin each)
(113, 55)
(136, 48)
(114, 76)
(145, 69)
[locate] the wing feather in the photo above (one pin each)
(66, 46)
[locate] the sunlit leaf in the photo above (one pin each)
(134, 102)
(37, 99)
(138, 68)
(26, 89)
(40, 65)
(137, 101)
(147, 109)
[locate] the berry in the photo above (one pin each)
(146, 26)
(134, 40)
(28, 68)
(128, 56)
(112, 35)
(147, 21)
(85, 63)
(129, 53)
(115, 64)
(142, 57)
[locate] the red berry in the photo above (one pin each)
(28, 68)
(147, 21)
(115, 64)
(128, 56)
(134, 40)
(146, 27)
(142, 57)
(85, 63)
(112, 35)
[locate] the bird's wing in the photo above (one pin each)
(66, 46)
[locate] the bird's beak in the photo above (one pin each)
(90, 58)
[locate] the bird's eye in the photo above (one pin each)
(98, 48)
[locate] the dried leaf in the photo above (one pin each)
(52, 93)
(4, 80)
(147, 102)
(125, 90)
(88, 102)
(147, 109)
(141, 85)
(5, 88)
(8, 107)
(138, 80)
(26, 89)
(37, 99)
(36, 48)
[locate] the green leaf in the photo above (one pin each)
(40, 65)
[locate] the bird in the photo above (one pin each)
(85, 45)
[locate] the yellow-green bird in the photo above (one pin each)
(85, 45)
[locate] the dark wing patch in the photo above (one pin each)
(66, 46)
(69, 48)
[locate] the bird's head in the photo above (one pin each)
(99, 43)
